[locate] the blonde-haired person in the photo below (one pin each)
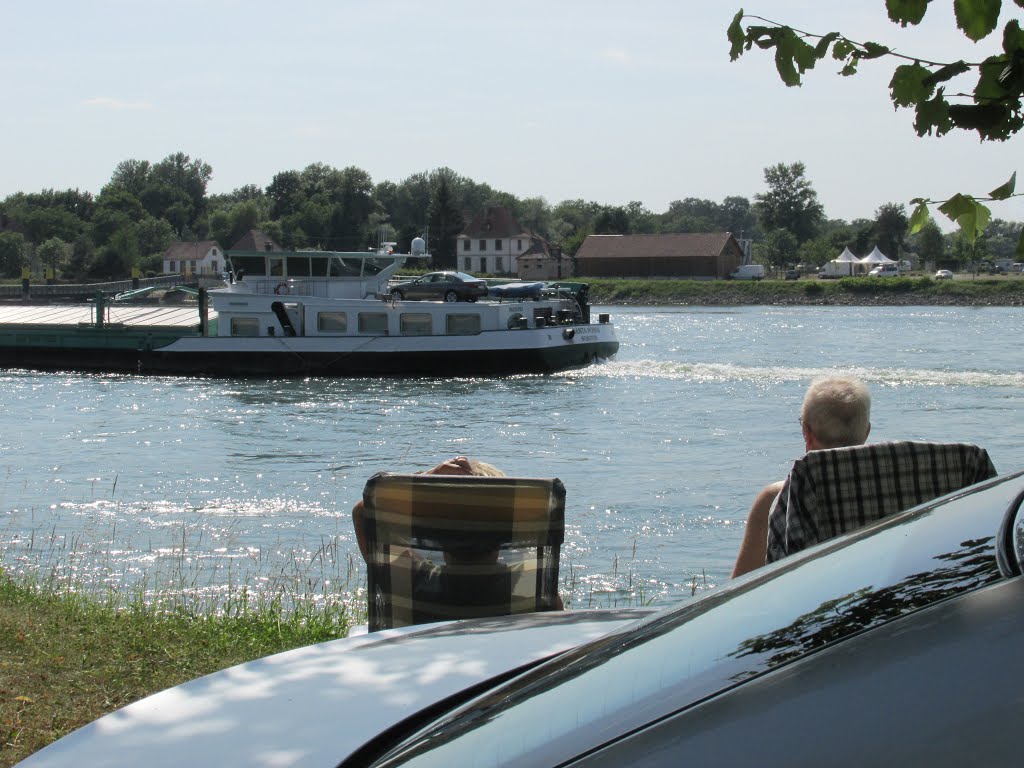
(836, 412)
(460, 465)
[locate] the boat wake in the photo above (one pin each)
(725, 372)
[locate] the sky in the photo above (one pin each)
(602, 100)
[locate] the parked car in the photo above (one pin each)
(449, 286)
(792, 274)
(885, 270)
(943, 274)
(898, 644)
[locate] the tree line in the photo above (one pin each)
(146, 206)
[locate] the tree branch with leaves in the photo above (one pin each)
(992, 107)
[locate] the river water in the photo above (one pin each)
(205, 486)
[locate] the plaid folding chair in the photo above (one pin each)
(446, 547)
(834, 491)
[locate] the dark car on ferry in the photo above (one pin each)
(441, 286)
(897, 644)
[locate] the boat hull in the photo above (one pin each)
(486, 354)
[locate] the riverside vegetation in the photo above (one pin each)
(66, 658)
(1007, 290)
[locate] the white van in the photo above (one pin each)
(885, 270)
(748, 272)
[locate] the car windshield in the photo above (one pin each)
(638, 675)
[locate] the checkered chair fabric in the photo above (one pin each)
(454, 547)
(838, 490)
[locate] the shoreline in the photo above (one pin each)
(898, 292)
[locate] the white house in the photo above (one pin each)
(492, 242)
(204, 257)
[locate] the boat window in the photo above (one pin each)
(254, 266)
(342, 268)
(416, 324)
(373, 322)
(298, 266)
(463, 324)
(332, 322)
(245, 326)
(318, 266)
(276, 266)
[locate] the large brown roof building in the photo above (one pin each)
(699, 256)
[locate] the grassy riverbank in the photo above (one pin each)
(66, 659)
(891, 291)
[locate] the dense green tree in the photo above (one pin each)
(154, 236)
(285, 193)
(612, 220)
(939, 92)
(445, 223)
(641, 220)
(83, 254)
(790, 202)
(185, 175)
(129, 176)
(736, 215)
(817, 251)
(930, 244)
(12, 254)
(1002, 238)
(54, 254)
(890, 229)
(115, 260)
(779, 248)
(534, 215)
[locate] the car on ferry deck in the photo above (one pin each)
(436, 286)
(896, 644)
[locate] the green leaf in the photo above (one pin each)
(1006, 190)
(989, 87)
(992, 121)
(793, 56)
(849, 69)
(977, 18)
(1020, 242)
(736, 36)
(971, 216)
(822, 47)
(948, 72)
(906, 11)
(933, 115)
(842, 49)
(908, 85)
(1013, 37)
(872, 51)
(920, 216)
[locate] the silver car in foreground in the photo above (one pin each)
(899, 644)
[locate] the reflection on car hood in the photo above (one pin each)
(314, 706)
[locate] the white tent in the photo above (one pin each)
(847, 255)
(877, 257)
(841, 266)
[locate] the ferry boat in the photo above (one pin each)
(318, 313)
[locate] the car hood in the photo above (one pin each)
(314, 706)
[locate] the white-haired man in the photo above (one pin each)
(836, 412)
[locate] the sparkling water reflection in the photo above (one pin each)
(209, 484)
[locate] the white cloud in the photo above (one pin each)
(105, 102)
(617, 55)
